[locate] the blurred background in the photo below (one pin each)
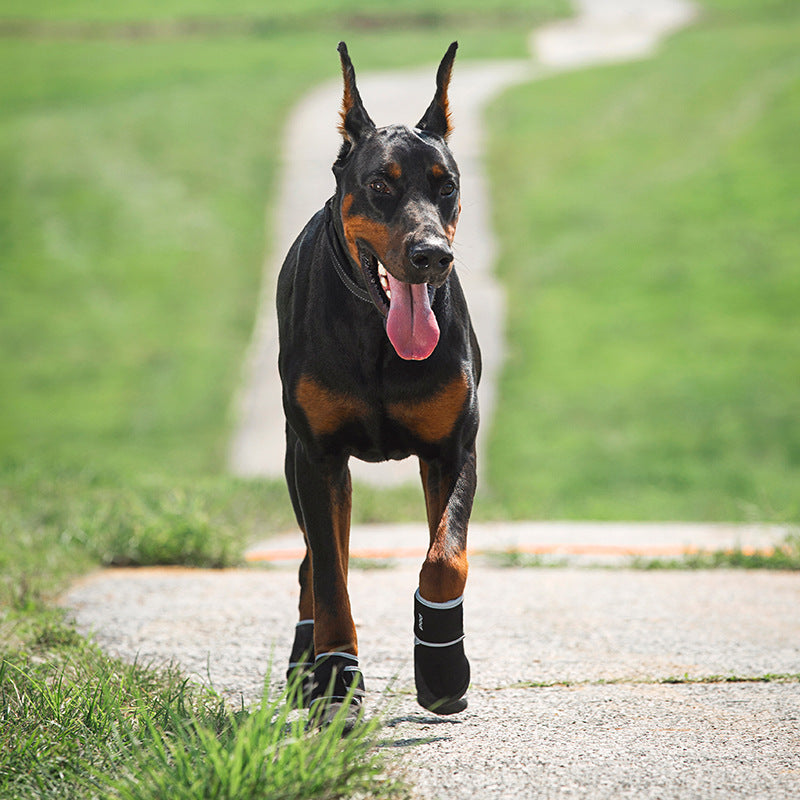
(649, 224)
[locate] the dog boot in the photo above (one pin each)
(338, 682)
(301, 660)
(441, 669)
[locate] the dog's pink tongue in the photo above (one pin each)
(411, 325)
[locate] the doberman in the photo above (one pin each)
(378, 360)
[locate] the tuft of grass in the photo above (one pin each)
(57, 523)
(265, 754)
(75, 723)
(517, 558)
(372, 563)
(768, 677)
(62, 705)
(785, 556)
(673, 680)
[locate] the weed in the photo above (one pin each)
(674, 680)
(74, 722)
(785, 556)
(768, 677)
(518, 558)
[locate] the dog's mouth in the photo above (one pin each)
(410, 322)
(377, 281)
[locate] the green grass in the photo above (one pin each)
(56, 524)
(649, 250)
(648, 219)
(135, 175)
(76, 724)
(513, 559)
(784, 556)
(314, 12)
(673, 680)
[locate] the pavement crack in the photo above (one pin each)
(673, 680)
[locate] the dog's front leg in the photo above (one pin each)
(323, 492)
(441, 669)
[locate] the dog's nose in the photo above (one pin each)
(428, 256)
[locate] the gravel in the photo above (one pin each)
(605, 638)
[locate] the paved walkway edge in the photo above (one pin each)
(583, 543)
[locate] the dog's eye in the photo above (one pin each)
(448, 189)
(379, 186)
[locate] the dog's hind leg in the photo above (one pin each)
(441, 668)
(301, 659)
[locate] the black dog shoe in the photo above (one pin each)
(441, 669)
(337, 683)
(301, 660)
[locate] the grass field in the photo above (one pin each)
(650, 248)
(649, 220)
(136, 167)
(315, 13)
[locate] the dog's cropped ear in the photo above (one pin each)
(355, 120)
(437, 118)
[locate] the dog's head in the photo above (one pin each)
(398, 202)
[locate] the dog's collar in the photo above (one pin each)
(349, 283)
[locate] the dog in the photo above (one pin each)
(378, 360)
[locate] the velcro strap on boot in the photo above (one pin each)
(438, 624)
(337, 676)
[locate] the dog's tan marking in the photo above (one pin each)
(376, 234)
(434, 418)
(443, 575)
(326, 411)
(450, 230)
(334, 630)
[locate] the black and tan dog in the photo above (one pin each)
(379, 361)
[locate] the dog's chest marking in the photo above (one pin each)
(347, 394)
(434, 418)
(326, 410)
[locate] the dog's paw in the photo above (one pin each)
(337, 684)
(442, 678)
(441, 669)
(321, 715)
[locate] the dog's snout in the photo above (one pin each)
(431, 256)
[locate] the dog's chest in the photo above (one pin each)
(379, 427)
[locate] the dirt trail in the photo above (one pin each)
(601, 31)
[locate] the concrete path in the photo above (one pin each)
(312, 142)
(568, 697)
(602, 31)
(587, 683)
